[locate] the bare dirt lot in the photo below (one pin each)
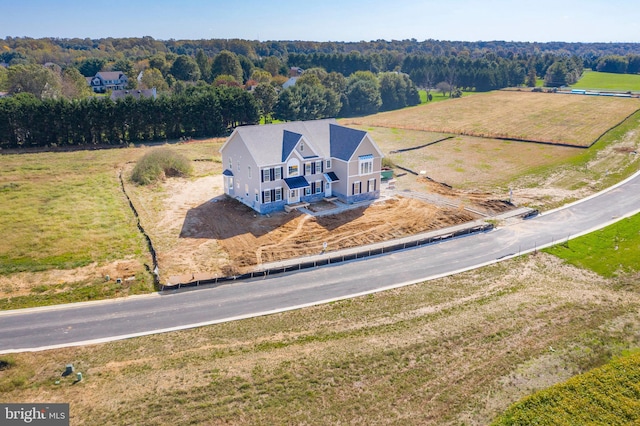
(203, 231)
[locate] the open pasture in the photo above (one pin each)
(542, 117)
(608, 81)
(467, 162)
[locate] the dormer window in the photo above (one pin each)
(301, 146)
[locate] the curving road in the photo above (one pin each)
(94, 322)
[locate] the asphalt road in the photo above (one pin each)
(93, 322)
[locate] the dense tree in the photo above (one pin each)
(152, 77)
(203, 64)
(266, 97)
(35, 79)
(362, 94)
(307, 102)
(74, 84)
(91, 66)
(185, 68)
(159, 62)
(633, 65)
(613, 63)
(227, 63)
(273, 65)
(4, 86)
(247, 67)
(261, 76)
(335, 81)
(565, 71)
(309, 79)
(201, 111)
(397, 91)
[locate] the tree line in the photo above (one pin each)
(26, 121)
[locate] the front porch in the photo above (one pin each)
(295, 206)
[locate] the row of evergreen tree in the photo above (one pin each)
(26, 121)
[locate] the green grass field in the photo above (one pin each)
(611, 251)
(608, 81)
(609, 395)
(61, 211)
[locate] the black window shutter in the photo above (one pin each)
(262, 197)
(368, 186)
(313, 168)
(281, 172)
(271, 174)
(273, 195)
(353, 188)
(261, 175)
(321, 166)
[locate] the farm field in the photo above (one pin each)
(608, 81)
(457, 350)
(467, 162)
(542, 117)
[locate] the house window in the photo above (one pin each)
(266, 175)
(257, 199)
(301, 146)
(328, 164)
(278, 194)
(249, 169)
(371, 185)
(307, 168)
(246, 189)
(293, 194)
(307, 191)
(356, 188)
(319, 166)
(293, 170)
(267, 196)
(277, 173)
(318, 186)
(365, 164)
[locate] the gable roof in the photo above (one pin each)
(344, 141)
(273, 144)
(111, 75)
(289, 142)
(267, 146)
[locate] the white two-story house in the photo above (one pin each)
(270, 166)
(109, 80)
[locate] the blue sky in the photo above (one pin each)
(327, 20)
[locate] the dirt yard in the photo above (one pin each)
(200, 230)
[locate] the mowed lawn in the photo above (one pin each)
(542, 117)
(608, 81)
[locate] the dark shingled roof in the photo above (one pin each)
(331, 177)
(344, 141)
(289, 141)
(297, 182)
